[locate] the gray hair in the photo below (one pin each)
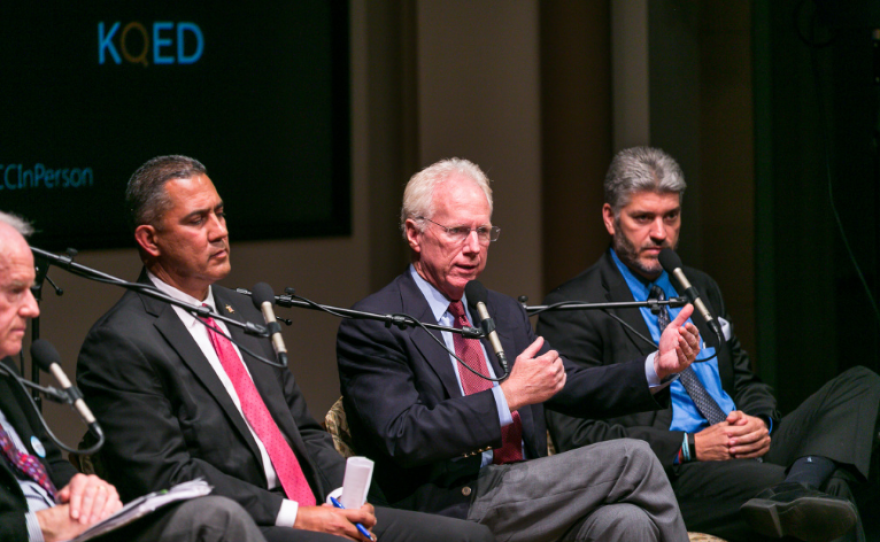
(145, 195)
(17, 223)
(418, 196)
(641, 169)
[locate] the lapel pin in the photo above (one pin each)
(229, 309)
(38, 446)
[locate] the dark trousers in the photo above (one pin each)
(394, 525)
(840, 422)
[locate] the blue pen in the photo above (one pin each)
(360, 527)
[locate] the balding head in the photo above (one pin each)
(17, 303)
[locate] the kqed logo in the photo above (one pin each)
(169, 43)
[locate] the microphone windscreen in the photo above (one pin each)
(262, 293)
(475, 292)
(669, 260)
(44, 354)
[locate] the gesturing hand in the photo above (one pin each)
(532, 379)
(679, 345)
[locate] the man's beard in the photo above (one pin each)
(629, 255)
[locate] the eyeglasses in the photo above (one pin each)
(486, 233)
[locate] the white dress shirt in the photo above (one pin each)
(287, 514)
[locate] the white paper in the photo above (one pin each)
(146, 504)
(356, 483)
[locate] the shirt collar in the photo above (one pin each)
(438, 302)
(174, 293)
(638, 286)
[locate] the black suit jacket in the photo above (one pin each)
(168, 419)
(407, 413)
(591, 338)
(18, 410)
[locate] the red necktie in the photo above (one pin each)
(26, 463)
(290, 474)
(471, 353)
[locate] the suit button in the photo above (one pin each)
(466, 491)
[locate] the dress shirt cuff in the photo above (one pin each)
(287, 513)
(654, 383)
(653, 379)
(35, 534)
(504, 415)
(335, 494)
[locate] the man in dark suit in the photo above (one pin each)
(42, 497)
(179, 401)
(450, 442)
(731, 449)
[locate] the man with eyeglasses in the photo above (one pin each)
(450, 442)
(178, 401)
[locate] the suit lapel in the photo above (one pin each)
(616, 290)
(434, 353)
(178, 337)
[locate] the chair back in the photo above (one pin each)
(336, 424)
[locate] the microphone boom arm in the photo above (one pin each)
(401, 321)
(652, 304)
(67, 263)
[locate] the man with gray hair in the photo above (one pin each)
(454, 434)
(737, 466)
(42, 497)
(182, 397)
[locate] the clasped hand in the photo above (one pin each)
(740, 436)
(84, 501)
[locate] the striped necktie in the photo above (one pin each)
(692, 385)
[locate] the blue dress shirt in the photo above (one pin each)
(685, 416)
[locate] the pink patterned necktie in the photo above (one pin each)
(26, 463)
(471, 353)
(290, 474)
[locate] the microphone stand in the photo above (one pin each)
(42, 274)
(402, 321)
(67, 263)
(56, 396)
(53, 394)
(652, 304)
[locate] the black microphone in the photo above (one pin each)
(477, 296)
(672, 264)
(46, 356)
(264, 298)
